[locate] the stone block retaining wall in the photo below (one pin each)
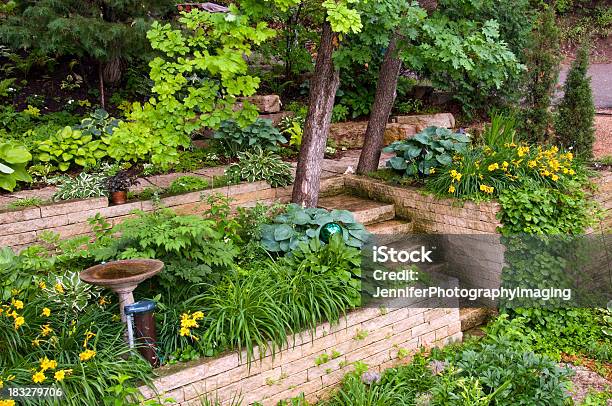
(21, 228)
(477, 257)
(370, 335)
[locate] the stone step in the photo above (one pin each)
(390, 231)
(365, 211)
(472, 317)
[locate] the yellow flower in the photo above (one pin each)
(103, 301)
(493, 167)
(532, 164)
(185, 331)
(38, 377)
(451, 189)
(455, 175)
(1, 383)
(42, 285)
(46, 330)
(505, 165)
(61, 374)
(59, 288)
(87, 355)
(522, 151)
(555, 178)
(7, 402)
(46, 363)
(89, 334)
(571, 172)
(17, 303)
(46, 312)
(36, 342)
(486, 189)
(19, 322)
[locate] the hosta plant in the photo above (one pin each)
(260, 165)
(82, 186)
(431, 148)
(13, 159)
(68, 146)
(233, 139)
(300, 224)
(97, 124)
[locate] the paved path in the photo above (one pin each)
(601, 83)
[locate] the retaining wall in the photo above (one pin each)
(23, 227)
(371, 335)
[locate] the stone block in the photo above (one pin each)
(73, 206)
(397, 132)
(16, 216)
(14, 240)
(446, 120)
(269, 103)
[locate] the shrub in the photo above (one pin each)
(82, 186)
(260, 165)
(120, 181)
(190, 247)
(517, 376)
(542, 60)
(13, 160)
(429, 149)
(68, 146)
(141, 138)
(184, 184)
(233, 139)
(300, 224)
(574, 125)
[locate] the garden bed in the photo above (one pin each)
(68, 219)
(312, 364)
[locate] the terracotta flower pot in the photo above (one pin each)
(119, 197)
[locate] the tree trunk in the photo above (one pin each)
(383, 103)
(101, 80)
(323, 89)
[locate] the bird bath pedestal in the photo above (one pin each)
(122, 277)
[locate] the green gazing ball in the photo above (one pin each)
(328, 230)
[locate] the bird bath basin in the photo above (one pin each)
(122, 277)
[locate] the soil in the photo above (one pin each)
(603, 135)
(586, 379)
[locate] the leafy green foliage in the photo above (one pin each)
(13, 160)
(542, 60)
(232, 139)
(68, 146)
(184, 184)
(465, 57)
(299, 224)
(97, 124)
(82, 186)
(190, 247)
(201, 74)
(539, 210)
(574, 126)
(25, 202)
(431, 148)
(96, 29)
(260, 165)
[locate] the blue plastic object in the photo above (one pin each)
(142, 306)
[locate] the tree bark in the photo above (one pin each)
(386, 89)
(323, 89)
(101, 80)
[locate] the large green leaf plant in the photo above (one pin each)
(13, 160)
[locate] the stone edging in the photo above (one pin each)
(370, 335)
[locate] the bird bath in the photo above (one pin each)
(122, 277)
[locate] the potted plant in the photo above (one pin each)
(118, 185)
